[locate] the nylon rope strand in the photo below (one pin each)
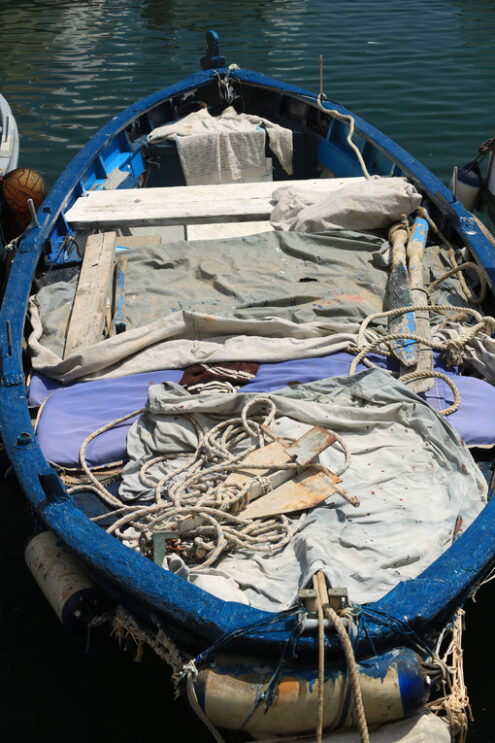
(342, 117)
(454, 703)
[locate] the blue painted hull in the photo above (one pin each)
(412, 612)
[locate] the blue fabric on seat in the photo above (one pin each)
(71, 413)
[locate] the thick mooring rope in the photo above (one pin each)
(453, 349)
(350, 122)
(325, 611)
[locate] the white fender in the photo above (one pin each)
(392, 686)
(69, 591)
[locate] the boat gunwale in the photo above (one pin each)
(124, 572)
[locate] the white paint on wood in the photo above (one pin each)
(87, 318)
(233, 202)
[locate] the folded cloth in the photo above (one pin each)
(223, 377)
(267, 297)
(216, 149)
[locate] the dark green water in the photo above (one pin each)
(422, 71)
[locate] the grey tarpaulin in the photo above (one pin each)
(187, 303)
(412, 473)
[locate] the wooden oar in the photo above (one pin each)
(415, 252)
(399, 295)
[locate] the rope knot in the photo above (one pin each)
(264, 483)
(453, 352)
(189, 669)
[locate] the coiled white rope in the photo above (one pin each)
(452, 348)
(193, 500)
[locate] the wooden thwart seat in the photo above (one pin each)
(229, 202)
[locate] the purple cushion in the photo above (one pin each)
(72, 413)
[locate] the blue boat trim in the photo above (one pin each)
(410, 609)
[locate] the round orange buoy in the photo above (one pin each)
(17, 187)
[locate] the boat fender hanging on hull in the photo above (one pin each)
(466, 183)
(393, 685)
(70, 592)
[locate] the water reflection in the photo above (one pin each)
(419, 70)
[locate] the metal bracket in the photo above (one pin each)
(338, 599)
(308, 597)
(159, 544)
(212, 57)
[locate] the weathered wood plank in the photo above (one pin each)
(231, 202)
(87, 318)
(125, 241)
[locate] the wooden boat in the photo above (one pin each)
(122, 203)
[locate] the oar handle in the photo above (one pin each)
(397, 237)
(399, 296)
(397, 233)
